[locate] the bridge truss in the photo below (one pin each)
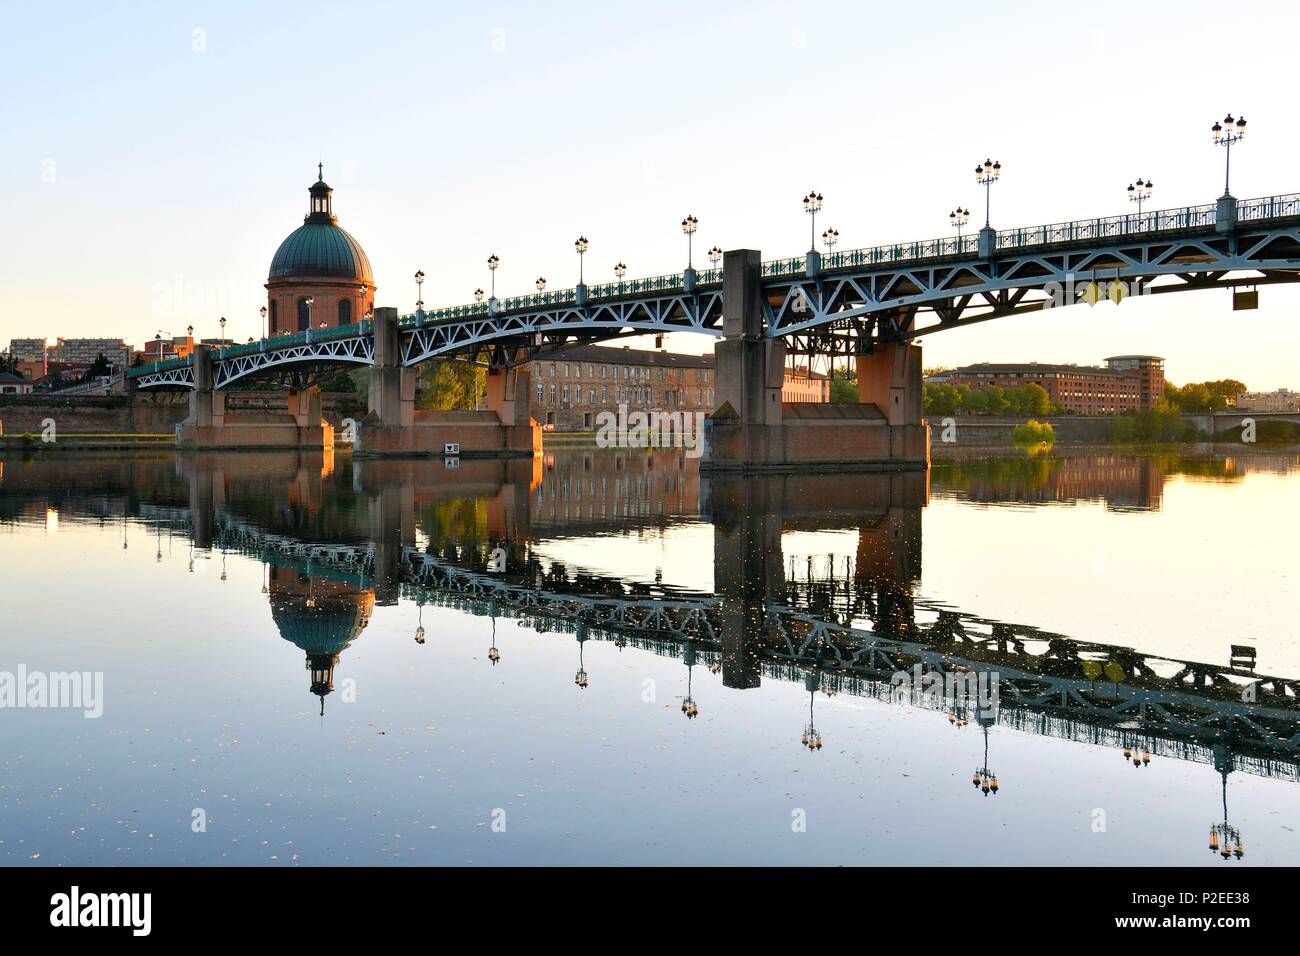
(841, 303)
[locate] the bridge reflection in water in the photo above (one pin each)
(338, 539)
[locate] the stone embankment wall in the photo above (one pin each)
(116, 415)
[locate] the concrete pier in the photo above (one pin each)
(394, 427)
(209, 425)
(753, 430)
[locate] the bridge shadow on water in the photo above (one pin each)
(337, 537)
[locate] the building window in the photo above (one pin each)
(552, 388)
(541, 393)
(345, 311)
(275, 314)
(604, 395)
(566, 394)
(304, 315)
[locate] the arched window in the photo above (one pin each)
(304, 315)
(345, 311)
(273, 327)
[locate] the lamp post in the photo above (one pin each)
(580, 246)
(983, 778)
(1139, 193)
(266, 332)
(222, 323)
(958, 218)
(690, 225)
(715, 256)
(419, 290)
(620, 270)
(812, 204)
(492, 262)
(829, 238)
(478, 296)
(1231, 131)
(986, 175)
(310, 301)
(540, 283)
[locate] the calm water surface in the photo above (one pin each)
(602, 658)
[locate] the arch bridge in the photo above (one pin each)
(867, 304)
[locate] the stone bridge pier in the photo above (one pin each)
(210, 425)
(395, 427)
(753, 430)
(750, 514)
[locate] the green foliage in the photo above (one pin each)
(1203, 396)
(446, 385)
(8, 363)
(1027, 400)
(943, 399)
(1034, 432)
(1162, 423)
(844, 386)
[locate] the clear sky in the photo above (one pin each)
(155, 154)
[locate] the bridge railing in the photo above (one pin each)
(1270, 207)
(1111, 227)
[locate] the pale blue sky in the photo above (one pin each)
(146, 184)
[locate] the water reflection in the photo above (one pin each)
(338, 539)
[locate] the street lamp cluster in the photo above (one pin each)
(986, 175)
(812, 204)
(958, 218)
(689, 226)
(1139, 193)
(1227, 133)
(1139, 760)
(1225, 839)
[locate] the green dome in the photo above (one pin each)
(325, 629)
(321, 249)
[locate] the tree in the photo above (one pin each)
(8, 363)
(943, 399)
(447, 384)
(844, 386)
(100, 368)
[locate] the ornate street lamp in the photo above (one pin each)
(311, 300)
(419, 622)
(222, 323)
(986, 175)
(715, 256)
(540, 283)
(958, 218)
(494, 655)
(266, 333)
(620, 270)
(492, 263)
(419, 290)
(984, 779)
(478, 295)
(829, 238)
(1225, 135)
(811, 738)
(690, 225)
(580, 247)
(812, 204)
(1139, 193)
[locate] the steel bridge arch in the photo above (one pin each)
(695, 312)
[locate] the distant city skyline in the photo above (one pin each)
(154, 165)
